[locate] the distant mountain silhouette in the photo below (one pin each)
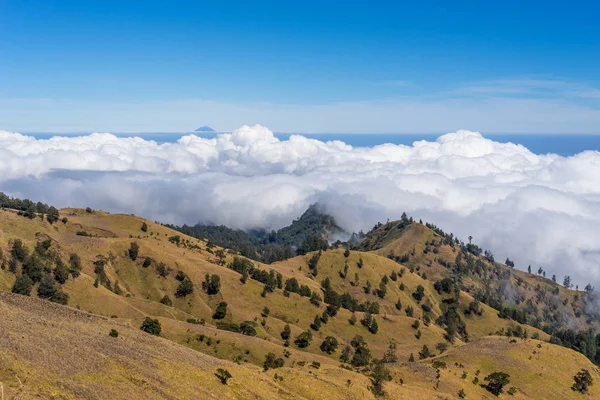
(205, 129)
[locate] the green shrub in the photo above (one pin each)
(583, 380)
(329, 345)
(303, 340)
(185, 288)
(166, 300)
(228, 326)
(47, 288)
(223, 375)
(495, 382)
(151, 326)
(220, 311)
(272, 362)
(247, 328)
(23, 285)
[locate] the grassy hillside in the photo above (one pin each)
(374, 267)
(531, 365)
(129, 266)
(544, 303)
(54, 351)
(50, 351)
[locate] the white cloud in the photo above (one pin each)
(542, 210)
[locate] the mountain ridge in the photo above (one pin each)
(311, 231)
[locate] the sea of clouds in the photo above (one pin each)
(542, 210)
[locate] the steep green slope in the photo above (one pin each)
(309, 232)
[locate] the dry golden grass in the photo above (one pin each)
(66, 336)
(51, 351)
(411, 240)
(538, 370)
(402, 241)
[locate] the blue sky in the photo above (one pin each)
(300, 67)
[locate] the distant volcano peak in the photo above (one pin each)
(205, 129)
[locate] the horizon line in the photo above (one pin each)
(295, 133)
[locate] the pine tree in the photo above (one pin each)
(53, 215)
(398, 305)
(374, 327)
(362, 354)
(352, 319)
(185, 288)
(379, 375)
(329, 345)
(166, 300)
(47, 288)
(346, 354)
(61, 272)
(316, 325)
(390, 355)
(315, 299)
(212, 284)
(286, 332)
(133, 251)
(75, 265)
(424, 353)
(23, 285)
